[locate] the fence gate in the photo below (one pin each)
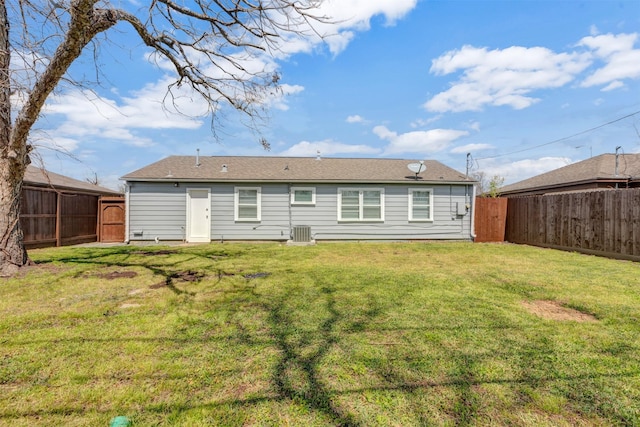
(490, 219)
(112, 219)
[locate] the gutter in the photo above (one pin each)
(127, 190)
(541, 189)
(289, 181)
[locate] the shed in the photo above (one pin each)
(199, 199)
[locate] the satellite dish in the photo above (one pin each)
(416, 167)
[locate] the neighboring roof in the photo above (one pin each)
(291, 169)
(600, 169)
(41, 178)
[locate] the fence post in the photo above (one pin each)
(58, 219)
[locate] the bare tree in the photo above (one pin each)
(207, 42)
(94, 180)
(482, 182)
(488, 187)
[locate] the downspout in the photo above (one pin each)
(58, 218)
(290, 214)
(473, 213)
(126, 212)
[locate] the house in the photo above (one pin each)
(35, 177)
(606, 171)
(199, 199)
(57, 210)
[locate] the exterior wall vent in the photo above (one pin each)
(301, 233)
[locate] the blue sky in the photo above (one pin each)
(399, 79)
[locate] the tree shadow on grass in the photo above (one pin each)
(131, 257)
(296, 375)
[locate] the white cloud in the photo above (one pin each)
(620, 57)
(57, 143)
(425, 122)
(278, 99)
(144, 109)
(510, 77)
(612, 86)
(348, 17)
(606, 45)
(355, 119)
(469, 148)
(358, 13)
(475, 126)
(501, 76)
(82, 115)
(523, 169)
(429, 141)
(327, 147)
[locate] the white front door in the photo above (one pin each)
(198, 215)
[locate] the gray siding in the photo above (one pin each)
(159, 210)
(445, 225)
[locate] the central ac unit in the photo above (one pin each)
(301, 233)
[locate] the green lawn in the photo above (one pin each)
(363, 334)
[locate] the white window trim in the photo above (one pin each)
(360, 204)
(411, 218)
(236, 204)
(313, 195)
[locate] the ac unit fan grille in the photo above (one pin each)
(301, 233)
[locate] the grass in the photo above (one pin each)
(336, 334)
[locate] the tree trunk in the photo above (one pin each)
(12, 166)
(84, 24)
(12, 252)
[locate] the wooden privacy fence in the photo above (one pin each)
(53, 218)
(490, 217)
(597, 222)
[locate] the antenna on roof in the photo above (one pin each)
(417, 168)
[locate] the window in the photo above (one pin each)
(356, 204)
(247, 204)
(303, 195)
(420, 204)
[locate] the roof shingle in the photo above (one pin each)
(290, 169)
(599, 168)
(42, 178)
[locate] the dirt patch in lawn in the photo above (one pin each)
(118, 275)
(553, 310)
(183, 276)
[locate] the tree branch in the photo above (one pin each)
(85, 24)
